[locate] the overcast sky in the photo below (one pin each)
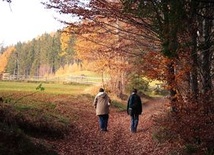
(24, 20)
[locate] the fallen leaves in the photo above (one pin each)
(86, 138)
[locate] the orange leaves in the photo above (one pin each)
(153, 65)
(4, 58)
(64, 40)
(98, 48)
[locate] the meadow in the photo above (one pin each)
(49, 88)
(34, 110)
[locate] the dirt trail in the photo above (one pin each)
(86, 139)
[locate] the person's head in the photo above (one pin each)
(134, 90)
(101, 90)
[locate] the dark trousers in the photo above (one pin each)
(134, 122)
(103, 121)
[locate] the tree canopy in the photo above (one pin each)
(168, 27)
(175, 36)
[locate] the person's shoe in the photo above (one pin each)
(133, 131)
(104, 130)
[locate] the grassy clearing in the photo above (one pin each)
(26, 112)
(24, 96)
(51, 88)
(37, 108)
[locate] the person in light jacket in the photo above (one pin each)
(101, 104)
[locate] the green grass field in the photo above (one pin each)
(24, 96)
(50, 88)
(28, 111)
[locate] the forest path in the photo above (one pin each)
(85, 138)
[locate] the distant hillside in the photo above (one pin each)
(38, 57)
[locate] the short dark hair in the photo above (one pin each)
(101, 90)
(134, 90)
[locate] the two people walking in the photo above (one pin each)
(102, 103)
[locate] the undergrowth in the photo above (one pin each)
(19, 122)
(14, 142)
(191, 127)
(34, 121)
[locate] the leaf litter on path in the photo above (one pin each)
(85, 138)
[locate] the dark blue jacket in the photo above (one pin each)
(135, 103)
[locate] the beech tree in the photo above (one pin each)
(113, 38)
(100, 49)
(159, 26)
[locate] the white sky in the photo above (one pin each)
(24, 20)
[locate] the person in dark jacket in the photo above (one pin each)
(134, 109)
(101, 104)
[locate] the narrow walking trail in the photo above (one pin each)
(85, 138)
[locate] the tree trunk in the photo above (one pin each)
(206, 57)
(194, 73)
(172, 83)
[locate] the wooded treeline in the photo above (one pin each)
(41, 56)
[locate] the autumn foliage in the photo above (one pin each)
(4, 58)
(191, 127)
(171, 41)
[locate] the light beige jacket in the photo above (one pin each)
(102, 103)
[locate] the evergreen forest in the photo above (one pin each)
(41, 56)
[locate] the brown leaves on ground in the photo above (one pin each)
(85, 138)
